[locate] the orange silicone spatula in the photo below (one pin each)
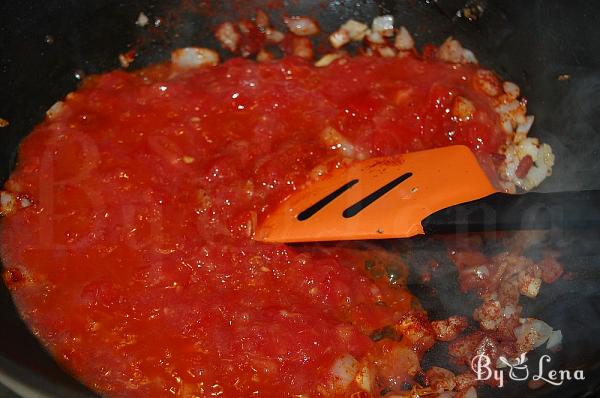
(378, 198)
(438, 190)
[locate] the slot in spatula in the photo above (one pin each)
(396, 197)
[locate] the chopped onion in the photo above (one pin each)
(301, 26)
(508, 311)
(545, 157)
(274, 36)
(7, 202)
(507, 126)
(25, 202)
(470, 393)
(487, 82)
(386, 52)
(532, 334)
(327, 59)
(356, 30)
(194, 57)
(263, 56)
(343, 371)
(384, 25)
(528, 146)
(511, 89)
(450, 51)
(302, 47)
(481, 272)
(375, 37)
(126, 59)
(534, 177)
(462, 108)
(11, 202)
(523, 128)
(55, 109)
(228, 36)
(555, 340)
(440, 379)
(404, 40)
(337, 142)
(529, 285)
(508, 107)
(469, 57)
(339, 38)
(364, 379)
(142, 20)
(465, 380)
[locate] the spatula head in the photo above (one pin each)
(378, 198)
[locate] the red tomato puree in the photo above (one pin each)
(135, 265)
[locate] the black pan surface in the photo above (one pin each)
(46, 46)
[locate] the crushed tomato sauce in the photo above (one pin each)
(135, 266)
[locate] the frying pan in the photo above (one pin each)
(46, 46)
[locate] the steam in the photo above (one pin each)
(570, 122)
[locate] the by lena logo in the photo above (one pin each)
(519, 371)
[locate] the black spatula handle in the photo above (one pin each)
(500, 212)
